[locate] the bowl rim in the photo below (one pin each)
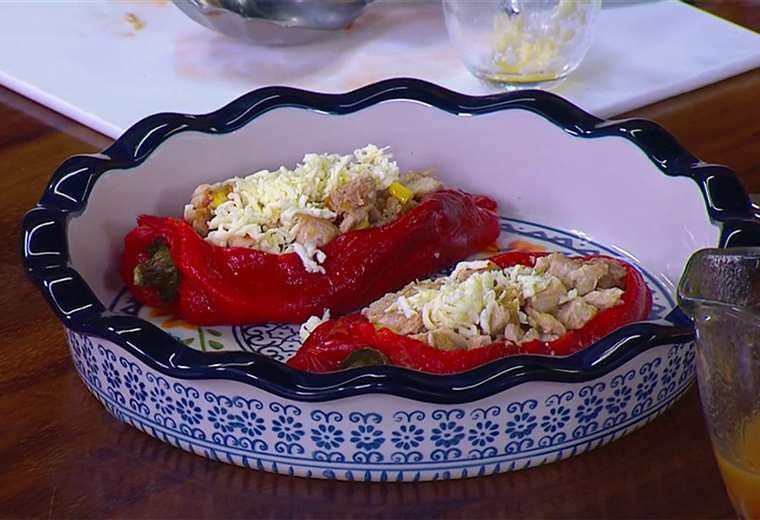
(46, 258)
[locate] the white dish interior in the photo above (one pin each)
(603, 189)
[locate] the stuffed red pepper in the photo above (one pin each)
(512, 303)
(334, 233)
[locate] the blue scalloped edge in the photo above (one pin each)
(46, 256)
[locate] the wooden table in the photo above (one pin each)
(62, 455)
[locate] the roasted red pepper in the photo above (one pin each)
(330, 344)
(210, 285)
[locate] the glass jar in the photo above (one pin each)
(720, 290)
(521, 43)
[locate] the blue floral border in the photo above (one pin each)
(274, 435)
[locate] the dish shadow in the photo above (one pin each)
(175, 472)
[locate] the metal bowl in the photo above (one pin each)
(274, 22)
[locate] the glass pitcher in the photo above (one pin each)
(720, 290)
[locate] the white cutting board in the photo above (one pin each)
(88, 60)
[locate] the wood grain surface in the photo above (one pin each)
(63, 456)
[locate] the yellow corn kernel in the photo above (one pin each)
(364, 224)
(401, 192)
(220, 197)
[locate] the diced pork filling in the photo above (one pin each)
(303, 209)
(480, 303)
(205, 199)
(314, 230)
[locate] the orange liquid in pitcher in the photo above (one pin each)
(741, 472)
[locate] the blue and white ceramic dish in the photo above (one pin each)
(564, 180)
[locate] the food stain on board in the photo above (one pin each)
(135, 21)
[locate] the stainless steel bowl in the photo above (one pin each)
(273, 22)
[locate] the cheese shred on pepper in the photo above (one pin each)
(299, 210)
(312, 323)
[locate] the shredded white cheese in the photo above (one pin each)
(473, 265)
(310, 256)
(404, 307)
(478, 300)
(312, 323)
(262, 206)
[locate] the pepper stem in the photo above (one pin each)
(365, 357)
(159, 272)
